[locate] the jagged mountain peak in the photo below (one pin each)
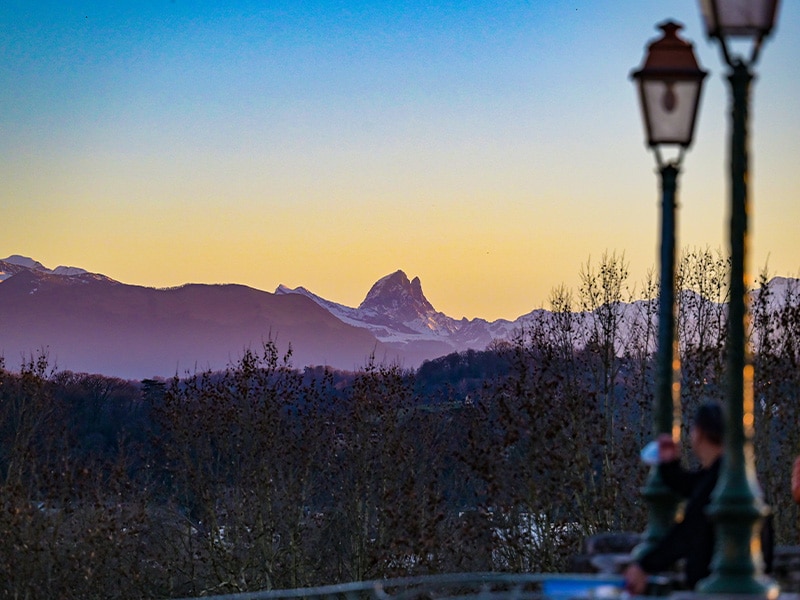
(397, 312)
(397, 295)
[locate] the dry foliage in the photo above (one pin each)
(264, 476)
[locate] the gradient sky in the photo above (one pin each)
(490, 148)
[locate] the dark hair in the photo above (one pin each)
(710, 419)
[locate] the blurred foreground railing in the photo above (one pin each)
(508, 586)
(455, 586)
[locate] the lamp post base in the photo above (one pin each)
(662, 504)
(737, 566)
(742, 587)
(771, 593)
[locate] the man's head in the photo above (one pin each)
(708, 432)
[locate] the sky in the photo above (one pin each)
(490, 148)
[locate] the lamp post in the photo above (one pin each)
(736, 505)
(669, 82)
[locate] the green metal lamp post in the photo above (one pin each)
(669, 82)
(737, 507)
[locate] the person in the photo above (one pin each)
(692, 538)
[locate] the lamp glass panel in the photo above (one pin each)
(670, 107)
(738, 17)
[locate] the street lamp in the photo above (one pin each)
(736, 505)
(669, 82)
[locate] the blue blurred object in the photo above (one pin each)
(583, 586)
(649, 454)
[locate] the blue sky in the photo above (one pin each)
(490, 149)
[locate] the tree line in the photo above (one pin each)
(266, 476)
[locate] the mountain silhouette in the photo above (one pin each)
(398, 314)
(90, 323)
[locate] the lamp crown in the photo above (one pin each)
(670, 53)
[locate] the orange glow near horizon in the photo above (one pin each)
(488, 150)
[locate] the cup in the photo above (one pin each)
(649, 453)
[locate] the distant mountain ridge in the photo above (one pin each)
(398, 314)
(16, 263)
(90, 322)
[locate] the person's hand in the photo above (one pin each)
(635, 579)
(667, 448)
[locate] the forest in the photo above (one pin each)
(270, 476)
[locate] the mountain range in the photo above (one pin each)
(398, 314)
(88, 322)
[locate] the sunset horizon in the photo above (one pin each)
(489, 150)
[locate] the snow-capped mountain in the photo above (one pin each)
(398, 314)
(87, 322)
(16, 263)
(93, 323)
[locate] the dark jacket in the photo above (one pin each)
(693, 537)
